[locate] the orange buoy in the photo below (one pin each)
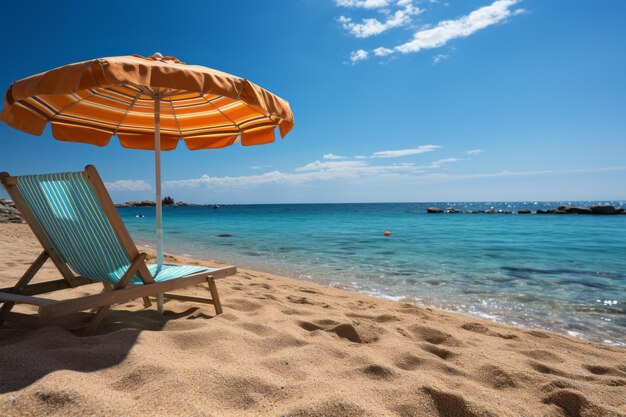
(387, 233)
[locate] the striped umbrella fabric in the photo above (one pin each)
(94, 100)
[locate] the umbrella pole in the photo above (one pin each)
(157, 169)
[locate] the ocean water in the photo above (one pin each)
(564, 273)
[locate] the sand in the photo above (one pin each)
(286, 347)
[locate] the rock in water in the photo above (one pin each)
(523, 211)
(434, 210)
(604, 210)
(573, 210)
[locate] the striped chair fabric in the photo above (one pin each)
(70, 214)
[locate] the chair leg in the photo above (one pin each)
(215, 296)
(23, 282)
(95, 322)
(146, 302)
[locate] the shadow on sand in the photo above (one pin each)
(27, 354)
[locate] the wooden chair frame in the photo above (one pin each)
(123, 291)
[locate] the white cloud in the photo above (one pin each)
(315, 171)
(438, 163)
(383, 51)
(355, 170)
(405, 152)
(366, 4)
(438, 58)
(127, 185)
(474, 152)
(462, 27)
(371, 26)
(331, 156)
(319, 165)
(260, 166)
(359, 55)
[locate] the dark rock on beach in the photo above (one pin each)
(9, 213)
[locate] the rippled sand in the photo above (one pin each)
(289, 347)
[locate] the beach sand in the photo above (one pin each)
(294, 348)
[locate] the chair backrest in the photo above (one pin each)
(70, 213)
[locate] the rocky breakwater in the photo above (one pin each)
(598, 210)
(148, 203)
(9, 213)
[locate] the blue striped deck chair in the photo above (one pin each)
(81, 232)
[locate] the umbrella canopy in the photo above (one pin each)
(147, 103)
(91, 101)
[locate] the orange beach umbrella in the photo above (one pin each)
(148, 103)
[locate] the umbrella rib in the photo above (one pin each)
(126, 113)
(256, 111)
(56, 113)
(221, 112)
(180, 132)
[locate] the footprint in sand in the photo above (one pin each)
(452, 405)
(496, 377)
(475, 327)
(442, 353)
(329, 408)
(482, 329)
(542, 355)
(293, 311)
(538, 334)
(377, 372)
(383, 318)
(241, 304)
(356, 333)
(258, 329)
(298, 300)
(556, 385)
(603, 370)
(56, 400)
(434, 336)
(574, 404)
(408, 362)
(139, 377)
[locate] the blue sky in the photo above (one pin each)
(394, 100)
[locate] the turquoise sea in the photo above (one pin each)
(564, 273)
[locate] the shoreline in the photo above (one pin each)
(437, 305)
(292, 347)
